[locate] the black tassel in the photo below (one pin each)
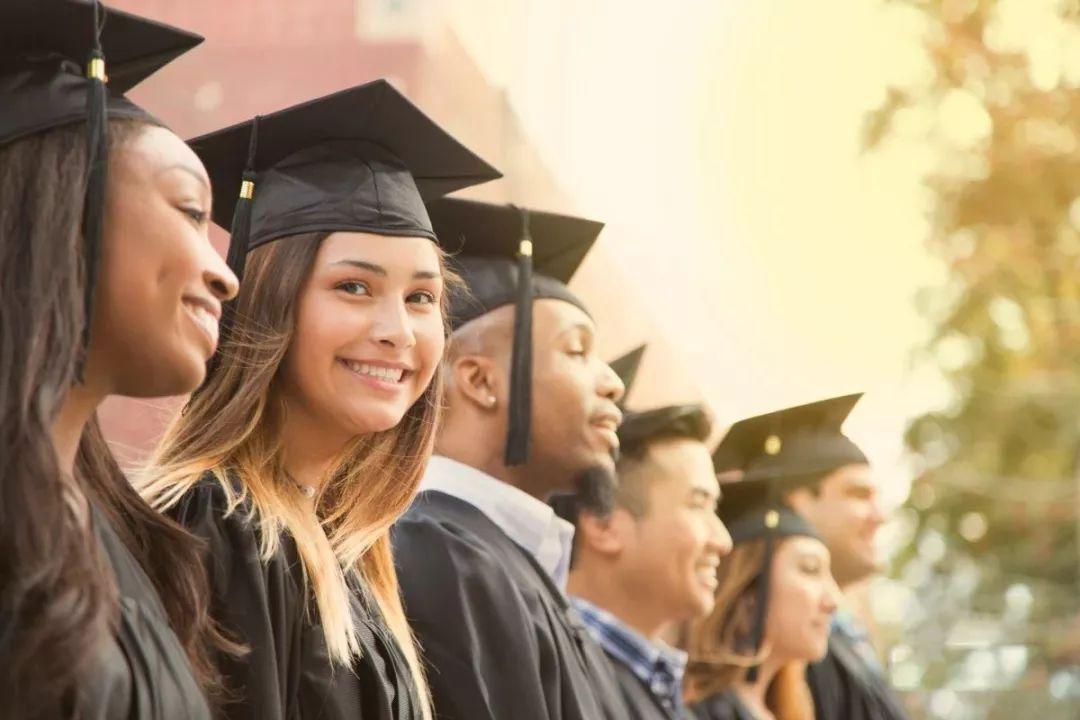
(97, 171)
(520, 412)
(761, 606)
(239, 234)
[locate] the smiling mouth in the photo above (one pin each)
(377, 372)
(205, 320)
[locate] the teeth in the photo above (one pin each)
(376, 371)
(205, 319)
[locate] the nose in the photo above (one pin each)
(609, 384)
(392, 326)
(218, 276)
(721, 539)
(830, 599)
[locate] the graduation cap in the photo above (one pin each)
(53, 73)
(361, 159)
(776, 453)
(793, 446)
(511, 255)
(626, 367)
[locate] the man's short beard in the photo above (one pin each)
(594, 490)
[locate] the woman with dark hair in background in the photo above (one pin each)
(108, 285)
(310, 436)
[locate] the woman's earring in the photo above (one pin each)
(491, 401)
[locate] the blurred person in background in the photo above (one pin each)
(310, 436)
(774, 600)
(824, 477)
(649, 563)
(530, 406)
(108, 286)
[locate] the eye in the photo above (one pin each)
(353, 287)
(422, 297)
(197, 215)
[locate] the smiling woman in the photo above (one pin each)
(308, 439)
(102, 600)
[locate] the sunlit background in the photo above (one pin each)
(769, 241)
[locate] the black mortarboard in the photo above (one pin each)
(361, 159)
(510, 255)
(776, 453)
(792, 446)
(53, 73)
(626, 367)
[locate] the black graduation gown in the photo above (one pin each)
(722, 706)
(641, 704)
(142, 671)
(844, 687)
(500, 638)
(288, 673)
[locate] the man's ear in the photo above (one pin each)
(604, 535)
(476, 378)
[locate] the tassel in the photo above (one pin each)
(757, 633)
(97, 170)
(239, 234)
(520, 411)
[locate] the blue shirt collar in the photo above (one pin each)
(658, 665)
(530, 523)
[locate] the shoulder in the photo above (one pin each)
(435, 530)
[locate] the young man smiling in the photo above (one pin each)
(482, 559)
(825, 478)
(650, 561)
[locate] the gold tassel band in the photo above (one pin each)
(525, 248)
(247, 190)
(95, 70)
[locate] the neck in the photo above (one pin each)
(467, 445)
(600, 587)
(308, 450)
(753, 694)
(75, 412)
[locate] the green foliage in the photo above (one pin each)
(995, 559)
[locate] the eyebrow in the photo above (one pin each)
(189, 170)
(381, 271)
(580, 326)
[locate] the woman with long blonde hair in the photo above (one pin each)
(311, 434)
(774, 601)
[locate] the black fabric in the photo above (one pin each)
(723, 706)
(361, 159)
(791, 446)
(499, 638)
(143, 671)
(844, 687)
(641, 704)
(288, 673)
(483, 240)
(44, 48)
(626, 367)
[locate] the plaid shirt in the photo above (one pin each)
(658, 665)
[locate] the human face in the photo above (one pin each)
(672, 552)
(161, 283)
(802, 599)
(846, 513)
(574, 393)
(369, 333)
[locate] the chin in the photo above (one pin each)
(368, 420)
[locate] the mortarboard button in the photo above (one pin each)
(773, 444)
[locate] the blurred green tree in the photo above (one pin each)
(995, 557)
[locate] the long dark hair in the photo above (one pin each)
(57, 599)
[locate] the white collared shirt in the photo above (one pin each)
(530, 523)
